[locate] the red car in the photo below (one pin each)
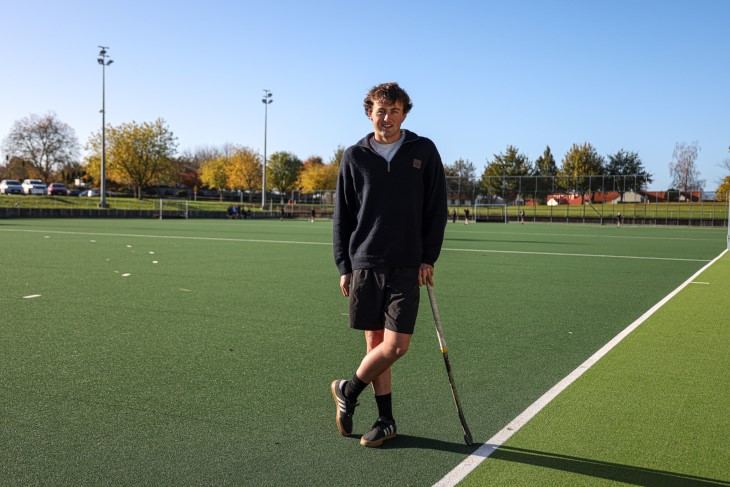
(58, 189)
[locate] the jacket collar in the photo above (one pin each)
(365, 141)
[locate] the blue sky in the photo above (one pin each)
(638, 75)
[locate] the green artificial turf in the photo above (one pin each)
(213, 365)
(651, 412)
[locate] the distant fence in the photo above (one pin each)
(593, 199)
(599, 200)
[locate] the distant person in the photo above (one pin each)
(281, 214)
(618, 219)
(522, 217)
(389, 222)
(466, 216)
(453, 216)
(311, 219)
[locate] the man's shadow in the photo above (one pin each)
(628, 474)
(419, 442)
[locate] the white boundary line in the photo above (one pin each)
(605, 256)
(173, 237)
(298, 242)
(483, 452)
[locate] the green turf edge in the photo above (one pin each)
(652, 412)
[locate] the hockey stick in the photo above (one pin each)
(444, 351)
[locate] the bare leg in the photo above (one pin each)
(380, 357)
(382, 383)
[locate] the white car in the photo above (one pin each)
(10, 186)
(34, 186)
(90, 192)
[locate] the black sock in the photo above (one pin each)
(385, 406)
(354, 387)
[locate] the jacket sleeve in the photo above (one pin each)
(344, 219)
(435, 209)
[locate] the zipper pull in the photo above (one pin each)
(388, 166)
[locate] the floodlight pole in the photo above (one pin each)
(266, 100)
(104, 63)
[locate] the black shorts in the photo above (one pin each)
(384, 298)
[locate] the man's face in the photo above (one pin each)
(387, 118)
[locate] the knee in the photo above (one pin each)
(396, 351)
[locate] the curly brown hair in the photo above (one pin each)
(388, 93)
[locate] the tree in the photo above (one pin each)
(685, 175)
(213, 174)
(628, 171)
(188, 164)
(320, 176)
(500, 175)
(544, 171)
(244, 170)
(16, 168)
(45, 143)
(337, 157)
(139, 155)
(284, 168)
(579, 164)
(460, 177)
(723, 189)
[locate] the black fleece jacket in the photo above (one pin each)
(389, 214)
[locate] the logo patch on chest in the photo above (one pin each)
(417, 163)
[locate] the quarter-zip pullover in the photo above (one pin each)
(389, 214)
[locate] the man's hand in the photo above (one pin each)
(345, 284)
(425, 275)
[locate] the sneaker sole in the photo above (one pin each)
(333, 389)
(376, 443)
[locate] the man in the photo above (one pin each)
(389, 222)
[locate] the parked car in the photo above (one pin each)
(10, 186)
(34, 186)
(90, 192)
(58, 189)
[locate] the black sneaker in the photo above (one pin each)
(383, 429)
(345, 408)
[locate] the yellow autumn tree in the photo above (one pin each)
(213, 174)
(244, 170)
(316, 175)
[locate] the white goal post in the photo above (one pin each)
(173, 208)
(490, 212)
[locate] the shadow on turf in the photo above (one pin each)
(604, 470)
(407, 441)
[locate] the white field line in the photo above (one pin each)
(575, 255)
(178, 237)
(299, 242)
(578, 235)
(484, 451)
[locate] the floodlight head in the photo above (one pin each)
(102, 52)
(110, 61)
(101, 61)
